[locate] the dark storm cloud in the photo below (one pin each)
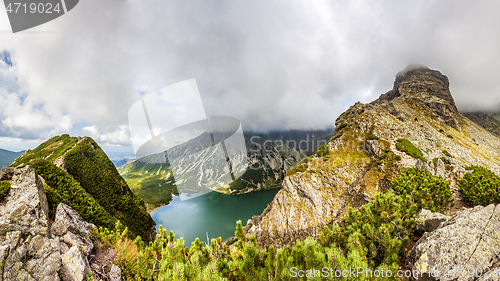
(272, 64)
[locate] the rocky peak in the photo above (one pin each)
(420, 85)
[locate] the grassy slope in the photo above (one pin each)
(92, 184)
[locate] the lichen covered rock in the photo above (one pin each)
(471, 239)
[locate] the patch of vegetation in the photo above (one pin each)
(62, 188)
(372, 137)
(398, 158)
(383, 156)
(341, 126)
(427, 191)
(445, 152)
(444, 159)
(50, 149)
(441, 130)
(480, 187)
(450, 136)
(4, 189)
(322, 151)
(90, 166)
(407, 147)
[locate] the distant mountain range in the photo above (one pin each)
(269, 156)
(7, 157)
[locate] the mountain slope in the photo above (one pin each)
(269, 155)
(78, 172)
(7, 157)
(415, 122)
(488, 120)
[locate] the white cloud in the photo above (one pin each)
(269, 63)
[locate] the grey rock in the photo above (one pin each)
(6, 174)
(374, 147)
(68, 219)
(83, 243)
(423, 166)
(115, 274)
(440, 168)
(468, 240)
(74, 265)
(428, 221)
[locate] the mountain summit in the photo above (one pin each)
(416, 124)
(426, 87)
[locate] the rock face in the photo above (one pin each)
(431, 88)
(29, 248)
(428, 221)
(420, 109)
(469, 240)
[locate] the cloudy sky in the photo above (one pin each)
(271, 64)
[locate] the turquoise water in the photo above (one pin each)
(213, 212)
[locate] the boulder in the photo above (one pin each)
(423, 166)
(428, 221)
(374, 148)
(26, 251)
(83, 243)
(74, 265)
(67, 219)
(468, 240)
(115, 274)
(440, 168)
(6, 174)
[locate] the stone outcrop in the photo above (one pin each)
(428, 221)
(420, 109)
(469, 240)
(31, 249)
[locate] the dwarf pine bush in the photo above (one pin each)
(480, 187)
(427, 191)
(4, 189)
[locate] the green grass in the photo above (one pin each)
(4, 189)
(407, 147)
(50, 149)
(445, 152)
(341, 126)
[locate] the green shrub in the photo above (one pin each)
(4, 189)
(398, 158)
(372, 137)
(382, 227)
(341, 126)
(445, 152)
(50, 149)
(480, 187)
(441, 130)
(406, 146)
(427, 191)
(90, 166)
(450, 136)
(383, 156)
(62, 188)
(322, 151)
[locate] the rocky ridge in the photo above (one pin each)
(363, 156)
(31, 248)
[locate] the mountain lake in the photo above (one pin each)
(213, 213)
